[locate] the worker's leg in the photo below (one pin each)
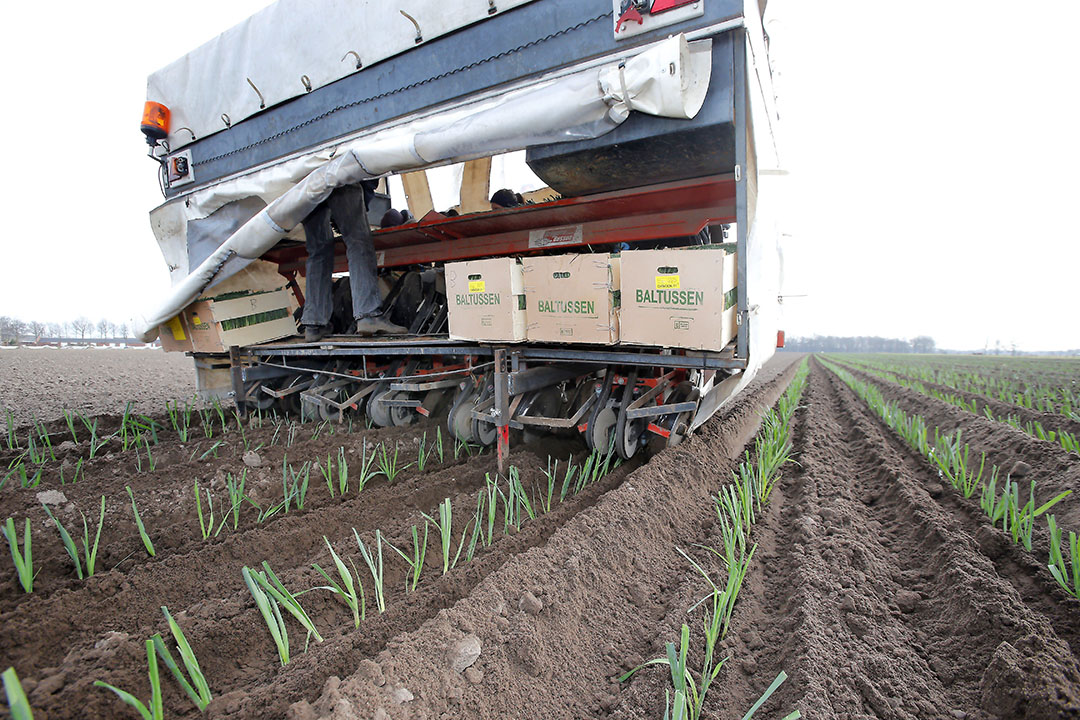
(320, 266)
(350, 216)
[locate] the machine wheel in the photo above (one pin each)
(401, 416)
(677, 424)
(599, 407)
(379, 411)
(628, 432)
(290, 404)
(485, 433)
(545, 403)
(259, 400)
(330, 413)
(600, 429)
(459, 419)
(680, 426)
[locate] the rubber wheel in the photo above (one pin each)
(459, 419)
(600, 429)
(329, 413)
(401, 416)
(486, 433)
(260, 400)
(628, 439)
(599, 407)
(377, 410)
(290, 404)
(679, 425)
(546, 403)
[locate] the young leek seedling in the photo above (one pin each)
(155, 711)
(197, 688)
(17, 702)
(139, 524)
(24, 559)
(347, 589)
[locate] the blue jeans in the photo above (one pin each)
(346, 208)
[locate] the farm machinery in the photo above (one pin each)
(623, 125)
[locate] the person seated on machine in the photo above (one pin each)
(346, 209)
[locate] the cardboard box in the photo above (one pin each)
(214, 325)
(679, 298)
(573, 298)
(486, 300)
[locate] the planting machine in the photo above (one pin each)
(625, 124)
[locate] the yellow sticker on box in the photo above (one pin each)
(476, 286)
(667, 282)
(177, 329)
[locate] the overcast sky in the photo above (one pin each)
(932, 150)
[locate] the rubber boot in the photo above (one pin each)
(377, 325)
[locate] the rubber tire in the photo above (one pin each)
(377, 411)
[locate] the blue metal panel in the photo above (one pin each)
(526, 41)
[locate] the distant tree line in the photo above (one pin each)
(13, 330)
(862, 344)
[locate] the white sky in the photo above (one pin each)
(932, 147)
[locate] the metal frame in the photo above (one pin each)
(655, 212)
(742, 215)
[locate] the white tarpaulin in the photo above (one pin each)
(243, 70)
(669, 79)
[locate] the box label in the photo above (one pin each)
(567, 307)
(476, 286)
(670, 298)
(477, 298)
(667, 282)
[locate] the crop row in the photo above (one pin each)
(139, 436)
(1062, 398)
(737, 505)
(1000, 498)
(1068, 441)
(215, 516)
(503, 507)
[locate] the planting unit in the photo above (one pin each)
(629, 128)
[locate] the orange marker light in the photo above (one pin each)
(155, 122)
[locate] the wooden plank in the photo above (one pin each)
(417, 193)
(476, 186)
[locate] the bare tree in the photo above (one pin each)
(56, 330)
(5, 328)
(103, 328)
(37, 329)
(122, 330)
(923, 344)
(81, 326)
(18, 327)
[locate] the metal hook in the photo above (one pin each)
(192, 132)
(262, 103)
(225, 119)
(354, 54)
(491, 7)
(419, 36)
(306, 82)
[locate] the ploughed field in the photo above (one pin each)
(871, 547)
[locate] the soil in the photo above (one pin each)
(41, 382)
(880, 592)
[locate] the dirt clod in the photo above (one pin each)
(51, 497)
(1020, 469)
(464, 653)
(907, 600)
(530, 604)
